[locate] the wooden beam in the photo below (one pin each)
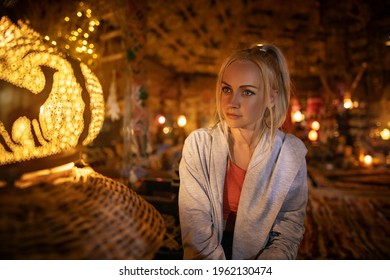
(221, 11)
(110, 35)
(203, 36)
(358, 77)
(113, 57)
(170, 40)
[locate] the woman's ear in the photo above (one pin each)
(274, 95)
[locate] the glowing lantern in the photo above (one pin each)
(167, 130)
(181, 121)
(55, 104)
(315, 125)
(160, 119)
(367, 160)
(385, 134)
(298, 116)
(348, 104)
(50, 106)
(313, 135)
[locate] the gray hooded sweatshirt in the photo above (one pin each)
(272, 205)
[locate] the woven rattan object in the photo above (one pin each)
(81, 216)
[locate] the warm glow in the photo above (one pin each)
(60, 120)
(82, 28)
(161, 119)
(368, 159)
(166, 130)
(182, 121)
(315, 125)
(385, 134)
(45, 172)
(313, 135)
(348, 104)
(298, 116)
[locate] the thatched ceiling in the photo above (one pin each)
(192, 37)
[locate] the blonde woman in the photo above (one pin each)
(243, 182)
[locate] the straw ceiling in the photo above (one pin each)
(192, 37)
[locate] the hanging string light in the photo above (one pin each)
(76, 35)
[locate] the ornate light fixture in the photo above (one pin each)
(55, 103)
(50, 106)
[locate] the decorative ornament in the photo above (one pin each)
(140, 121)
(143, 94)
(55, 103)
(130, 55)
(112, 105)
(51, 104)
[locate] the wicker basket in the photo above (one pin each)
(84, 216)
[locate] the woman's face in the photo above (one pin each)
(241, 95)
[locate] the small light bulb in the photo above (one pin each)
(181, 121)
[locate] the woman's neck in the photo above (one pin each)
(243, 146)
(242, 137)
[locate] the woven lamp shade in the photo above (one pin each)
(82, 216)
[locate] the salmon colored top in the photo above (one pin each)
(232, 190)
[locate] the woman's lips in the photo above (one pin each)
(233, 116)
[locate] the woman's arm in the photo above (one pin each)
(199, 236)
(288, 229)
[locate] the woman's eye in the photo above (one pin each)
(248, 92)
(226, 90)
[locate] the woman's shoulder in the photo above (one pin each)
(203, 134)
(199, 133)
(292, 142)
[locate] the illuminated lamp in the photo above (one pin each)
(52, 104)
(52, 205)
(160, 119)
(348, 104)
(367, 160)
(298, 116)
(385, 134)
(167, 129)
(181, 121)
(315, 125)
(313, 135)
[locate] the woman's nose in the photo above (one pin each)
(234, 101)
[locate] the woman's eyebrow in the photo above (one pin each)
(252, 86)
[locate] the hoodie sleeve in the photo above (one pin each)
(199, 237)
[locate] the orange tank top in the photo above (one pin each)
(234, 180)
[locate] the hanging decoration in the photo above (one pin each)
(113, 111)
(143, 94)
(130, 55)
(140, 122)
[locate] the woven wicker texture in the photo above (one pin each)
(84, 216)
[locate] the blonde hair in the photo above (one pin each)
(275, 77)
